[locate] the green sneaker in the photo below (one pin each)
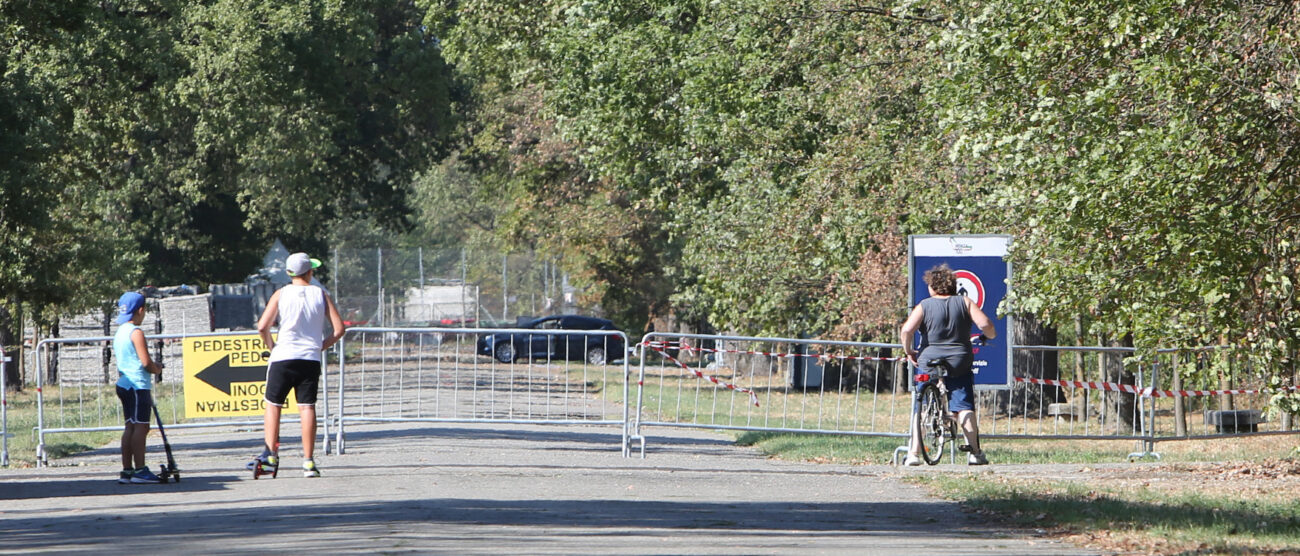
(124, 477)
(266, 465)
(309, 469)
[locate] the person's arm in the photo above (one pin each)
(981, 320)
(142, 351)
(336, 324)
(265, 323)
(908, 333)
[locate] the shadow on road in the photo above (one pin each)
(101, 485)
(236, 525)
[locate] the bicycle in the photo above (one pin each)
(932, 420)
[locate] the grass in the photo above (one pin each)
(877, 450)
(1136, 518)
(104, 410)
(672, 395)
(1119, 519)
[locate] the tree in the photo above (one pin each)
(169, 141)
(1150, 156)
(731, 156)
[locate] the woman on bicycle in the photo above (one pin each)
(944, 320)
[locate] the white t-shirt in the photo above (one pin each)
(302, 323)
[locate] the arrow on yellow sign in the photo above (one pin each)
(220, 374)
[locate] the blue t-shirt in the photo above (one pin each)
(132, 371)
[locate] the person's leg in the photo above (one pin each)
(970, 428)
(306, 385)
(914, 439)
(126, 448)
(278, 384)
(138, 433)
(308, 415)
(271, 427)
(128, 410)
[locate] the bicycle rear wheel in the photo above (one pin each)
(930, 424)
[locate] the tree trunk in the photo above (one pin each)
(1180, 404)
(1080, 373)
(1032, 399)
(52, 357)
(1125, 403)
(1225, 382)
(106, 353)
(10, 341)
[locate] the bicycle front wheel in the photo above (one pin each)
(930, 424)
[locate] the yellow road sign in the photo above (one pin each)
(225, 376)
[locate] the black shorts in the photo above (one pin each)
(301, 375)
(136, 404)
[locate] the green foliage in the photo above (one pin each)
(170, 141)
(751, 163)
(1148, 156)
(731, 156)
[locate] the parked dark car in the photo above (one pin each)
(508, 347)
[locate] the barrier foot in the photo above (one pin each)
(640, 439)
(1148, 449)
(895, 459)
(1142, 455)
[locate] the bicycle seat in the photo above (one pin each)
(938, 367)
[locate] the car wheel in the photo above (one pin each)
(596, 356)
(505, 352)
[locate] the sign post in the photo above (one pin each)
(225, 376)
(983, 275)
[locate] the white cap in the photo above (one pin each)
(299, 263)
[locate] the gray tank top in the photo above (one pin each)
(947, 322)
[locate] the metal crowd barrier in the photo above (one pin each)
(438, 375)
(716, 382)
(1232, 401)
(1058, 393)
(770, 385)
(1099, 390)
(94, 384)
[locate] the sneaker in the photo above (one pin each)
(124, 477)
(143, 476)
(912, 460)
(976, 458)
(309, 469)
(260, 457)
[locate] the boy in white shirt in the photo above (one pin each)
(302, 310)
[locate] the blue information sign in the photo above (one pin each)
(983, 275)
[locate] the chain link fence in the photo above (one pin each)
(445, 287)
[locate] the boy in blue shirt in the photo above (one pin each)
(134, 387)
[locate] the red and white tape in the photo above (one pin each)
(1145, 392)
(661, 348)
(820, 356)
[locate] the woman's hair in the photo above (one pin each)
(941, 280)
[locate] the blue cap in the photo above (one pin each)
(127, 305)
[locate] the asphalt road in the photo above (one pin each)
(489, 489)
